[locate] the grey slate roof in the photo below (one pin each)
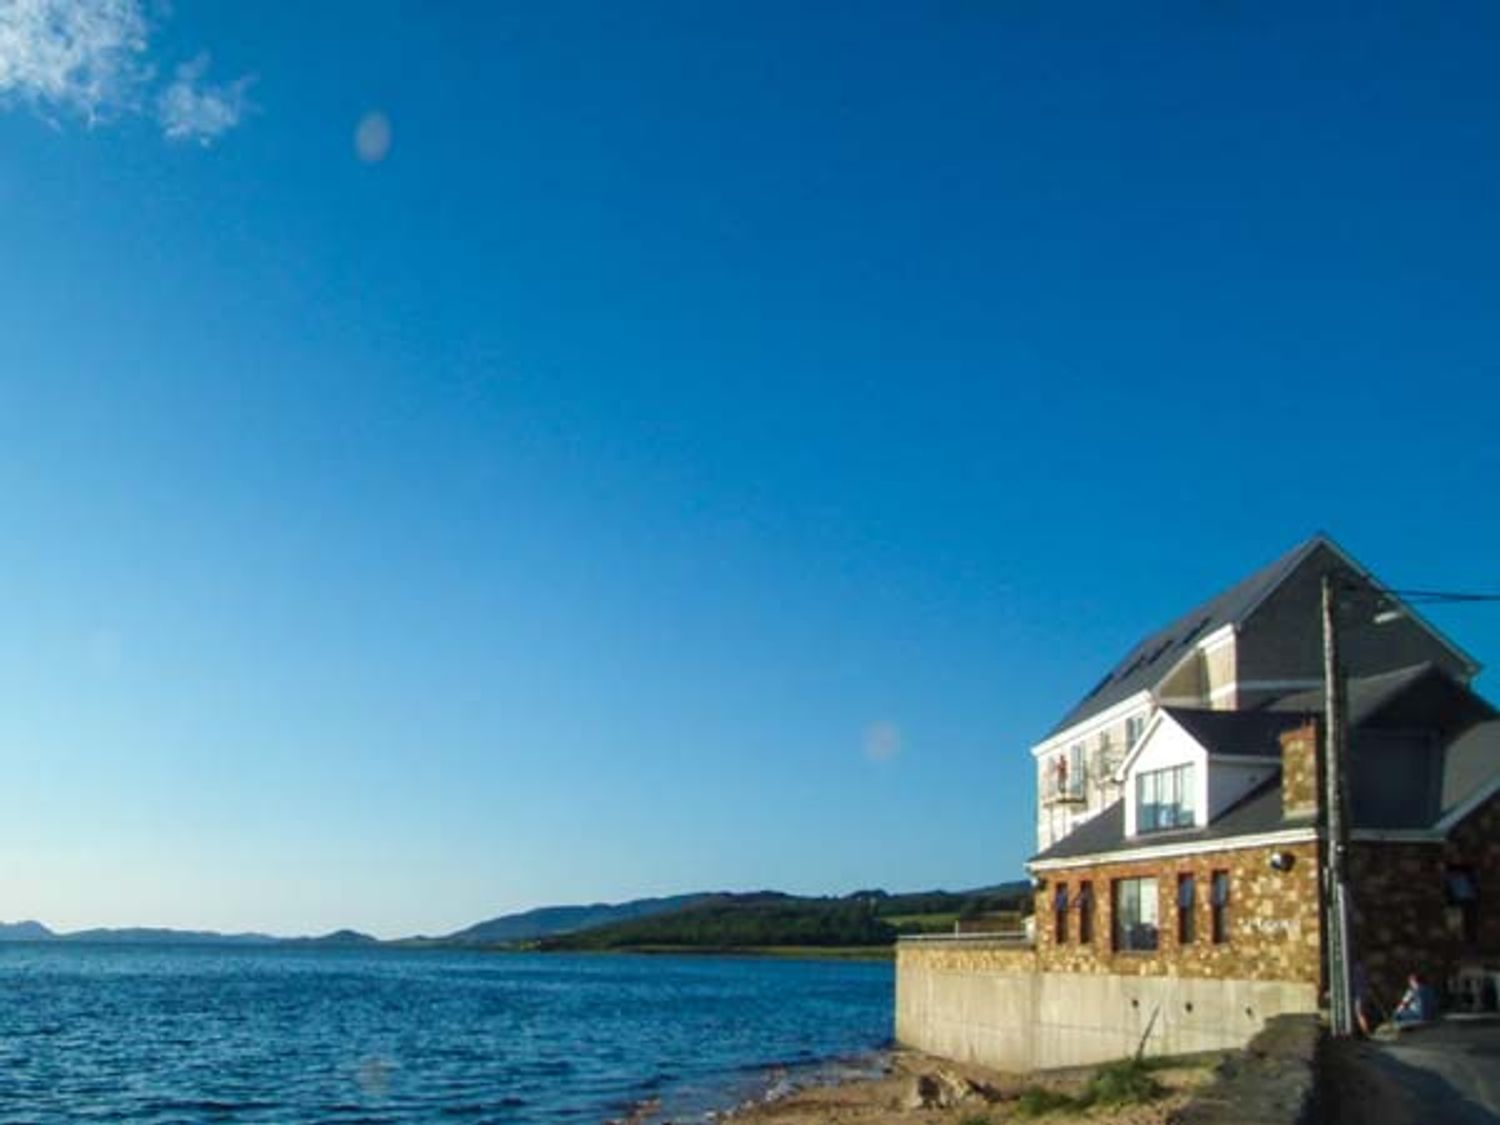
(1144, 665)
(1368, 696)
(1258, 812)
(1255, 734)
(1471, 761)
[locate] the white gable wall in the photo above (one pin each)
(1166, 745)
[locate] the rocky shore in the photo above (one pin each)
(916, 1089)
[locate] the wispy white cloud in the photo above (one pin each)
(91, 59)
(76, 56)
(192, 110)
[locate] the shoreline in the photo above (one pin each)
(900, 1086)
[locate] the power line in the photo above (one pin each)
(1428, 597)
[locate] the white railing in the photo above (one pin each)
(1020, 941)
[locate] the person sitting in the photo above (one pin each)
(1362, 1005)
(1418, 1005)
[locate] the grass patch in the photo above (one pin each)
(1127, 1082)
(1038, 1101)
(974, 1119)
(1122, 1083)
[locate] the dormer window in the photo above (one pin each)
(1164, 799)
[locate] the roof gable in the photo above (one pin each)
(1150, 660)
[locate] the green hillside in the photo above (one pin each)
(769, 919)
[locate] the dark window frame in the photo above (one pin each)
(1219, 899)
(1086, 912)
(1461, 893)
(1060, 914)
(1187, 903)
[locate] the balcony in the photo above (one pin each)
(1064, 791)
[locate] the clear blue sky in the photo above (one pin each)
(561, 502)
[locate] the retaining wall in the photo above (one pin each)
(987, 1002)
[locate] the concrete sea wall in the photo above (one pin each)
(986, 1001)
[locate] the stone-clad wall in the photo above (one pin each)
(1476, 843)
(1301, 779)
(1399, 907)
(968, 955)
(1396, 914)
(1273, 919)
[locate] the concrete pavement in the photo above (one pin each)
(1447, 1074)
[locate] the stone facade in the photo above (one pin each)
(1272, 916)
(1301, 779)
(1400, 914)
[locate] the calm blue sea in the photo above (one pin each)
(180, 1034)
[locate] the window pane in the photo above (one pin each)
(1461, 885)
(1164, 798)
(1148, 906)
(1186, 891)
(1135, 914)
(1221, 888)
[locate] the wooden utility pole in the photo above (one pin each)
(1336, 886)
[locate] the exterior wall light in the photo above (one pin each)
(1282, 861)
(1038, 882)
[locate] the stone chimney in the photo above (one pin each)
(1299, 770)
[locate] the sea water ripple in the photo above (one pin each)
(277, 1034)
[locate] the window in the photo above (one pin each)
(1187, 899)
(1076, 770)
(1219, 898)
(1060, 913)
(1463, 904)
(1164, 799)
(1064, 776)
(1134, 726)
(1135, 915)
(1085, 913)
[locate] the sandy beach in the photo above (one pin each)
(916, 1089)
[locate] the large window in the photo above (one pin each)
(1135, 915)
(1164, 799)
(1060, 913)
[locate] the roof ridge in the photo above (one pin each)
(1231, 605)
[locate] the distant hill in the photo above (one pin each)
(548, 921)
(25, 931)
(337, 937)
(151, 935)
(870, 918)
(742, 921)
